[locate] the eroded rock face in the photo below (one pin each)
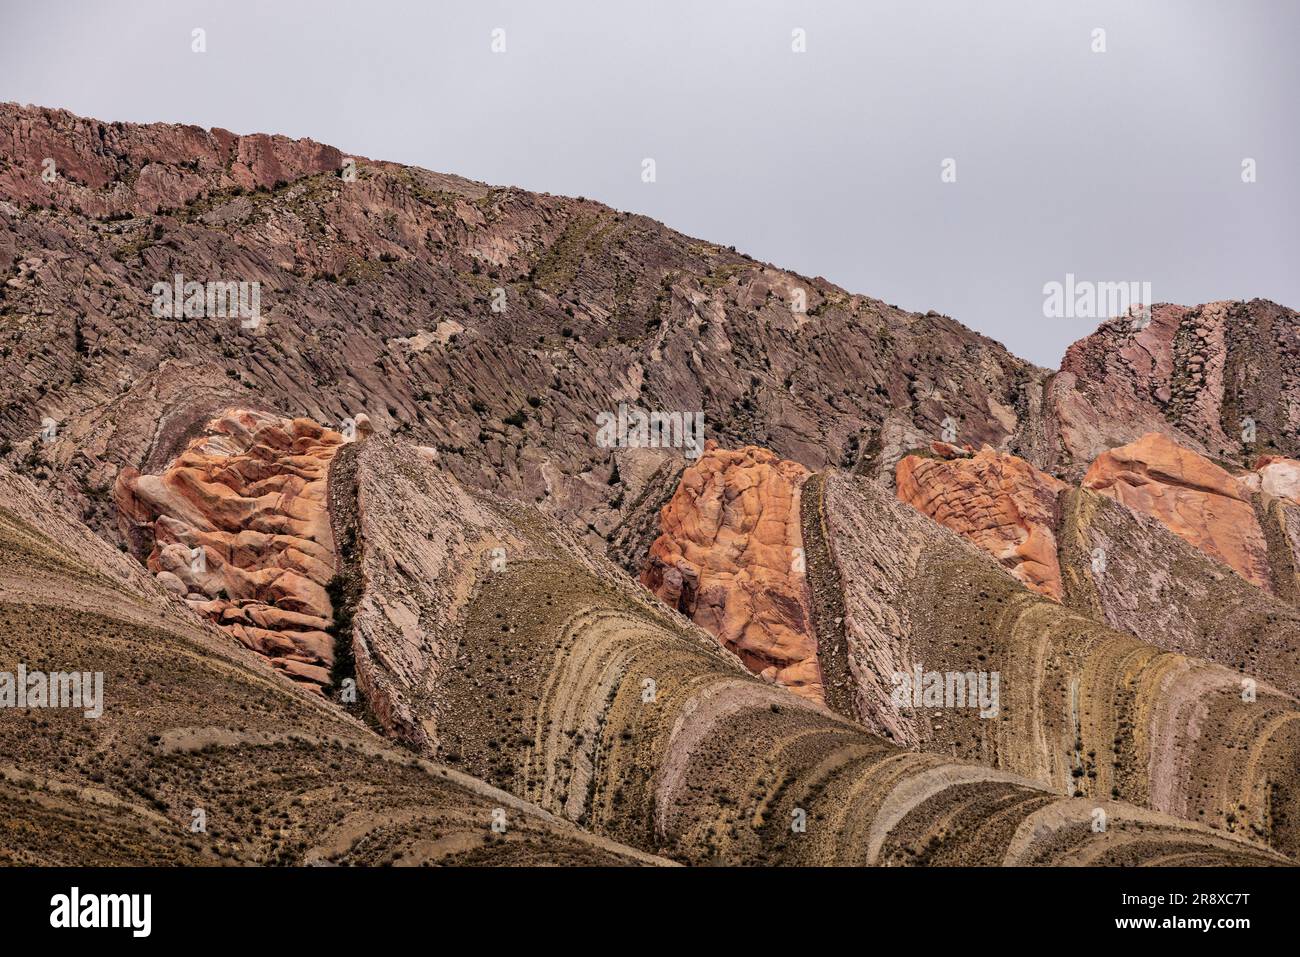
(1128, 570)
(604, 308)
(523, 659)
(997, 501)
(1197, 500)
(1082, 708)
(238, 526)
(730, 558)
(1222, 379)
(163, 164)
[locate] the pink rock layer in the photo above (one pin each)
(1197, 500)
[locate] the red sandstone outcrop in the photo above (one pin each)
(730, 558)
(999, 502)
(1197, 500)
(239, 527)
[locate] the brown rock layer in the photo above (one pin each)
(1197, 500)
(105, 168)
(238, 525)
(731, 558)
(999, 502)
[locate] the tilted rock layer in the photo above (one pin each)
(192, 719)
(551, 674)
(1165, 545)
(1197, 500)
(376, 297)
(731, 559)
(1078, 707)
(238, 525)
(1000, 502)
(1222, 379)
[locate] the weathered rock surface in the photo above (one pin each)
(730, 558)
(192, 719)
(1080, 707)
(1197, 500)
(1127, 569)
(1276, 476)
(557, 677)
(107, 168)
(999, 502)
(497, 637)
(1222, 379)
(376, 297)
(238, 526)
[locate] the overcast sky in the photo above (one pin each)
(1115, 166)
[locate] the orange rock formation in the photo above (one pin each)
(241, 529)
(1196, 499)
(730, 557)
(999, 502)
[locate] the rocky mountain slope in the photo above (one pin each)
(1221, 379)
(203, 755)
(510, 528)
(1082, 708)
(496, 642)
(491, 323)
(1195, 559)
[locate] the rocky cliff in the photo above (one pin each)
(658, 552)
(524, 660)
(1221, 379)
(1195, 499)
(1079, 706)
(203, 755)
(1159, 541)
(1000, 502)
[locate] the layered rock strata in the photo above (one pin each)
(999, 502)
(237, 525)
(730, 557)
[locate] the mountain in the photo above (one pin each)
(377, 297)
(551, 696)
(413, 520)
(202, 755)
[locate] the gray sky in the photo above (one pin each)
(1115, 166)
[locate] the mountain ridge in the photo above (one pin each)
(386, 481)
